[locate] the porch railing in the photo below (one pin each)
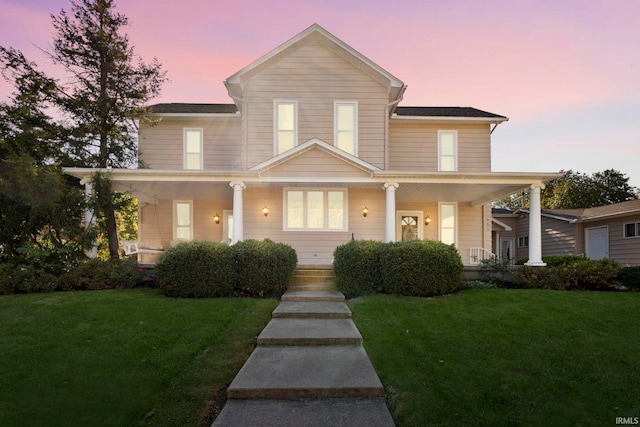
(477, 255)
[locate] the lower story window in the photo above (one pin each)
(523, 241)
(448, 223)
(315, 209)
(183, 219)
(632, 229)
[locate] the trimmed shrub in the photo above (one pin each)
(629, 277)
(357, 267)
(421, 268)
(96, 275)
(263, 268)
(569, 273)
(197, 269)
(25, 279)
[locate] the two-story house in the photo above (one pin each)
(315, 150)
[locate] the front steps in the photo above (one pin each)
(309, 368)
(312, 278)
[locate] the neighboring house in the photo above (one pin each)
(611, 231)
(315, 151)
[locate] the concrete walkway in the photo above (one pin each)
(308, 369)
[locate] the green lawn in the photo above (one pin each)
(121, 358)
(506, 357)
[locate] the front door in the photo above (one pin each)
(506, 249)
(597, 242)
(409, 226)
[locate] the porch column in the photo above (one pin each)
(237, 186)
(390, 230)
(89, 215)
(535, 227)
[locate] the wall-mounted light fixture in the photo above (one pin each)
(427, 220)
(365, 211)
(265, 211)
(216, 218)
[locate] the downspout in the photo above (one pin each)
(389, 109)
(240, 102)
(495, 125)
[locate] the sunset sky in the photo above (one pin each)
(565, 72)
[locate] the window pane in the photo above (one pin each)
(346, 117)
(285, 141)
(447, 216)
(286, 116)
(448, 236)
(630, 230)
(447, 164)
(336, 210)
(295, 212)
(193, 161)
(346, 142)
(183, 233)
(315, 209)
(446, 146)
(183, 215)
(193, 141)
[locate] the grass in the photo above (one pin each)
(505, 357)
(122, 357)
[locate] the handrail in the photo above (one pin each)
(477, 255)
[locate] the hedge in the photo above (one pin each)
(421, 268)
(569, 273)
(263, 268)
(196, 269)
(629, 277)
(418, 268)
(357, 267)
(201, 269)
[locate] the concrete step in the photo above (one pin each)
(306, 372)
(312, 296)
(312, 286)
(311, 309)
(309, 413)
(310, 332)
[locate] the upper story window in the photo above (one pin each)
(447, 150)
(346, 126)
(193, 158)
(183, 219)
(632, 229)
(315, 209)
(285, 125)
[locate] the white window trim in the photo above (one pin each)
(277, 102)
(175, 217)
(326, 191)
(455, 149)
(184, 147)
(355, 124)
(455, 218)
(624, 230)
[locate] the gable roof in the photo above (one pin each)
(314, 143)
(630, 207)
(235, 82)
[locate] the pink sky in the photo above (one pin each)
(566, 73)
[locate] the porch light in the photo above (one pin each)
(427, 220)
(216, 218)
(365, 211)
(265, 211)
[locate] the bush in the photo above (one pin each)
(96, 275)
(357, 267)
(421, 268)
(197, 269)
(263, 268)
(569, 273)
(91, 275)
(629, 277)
